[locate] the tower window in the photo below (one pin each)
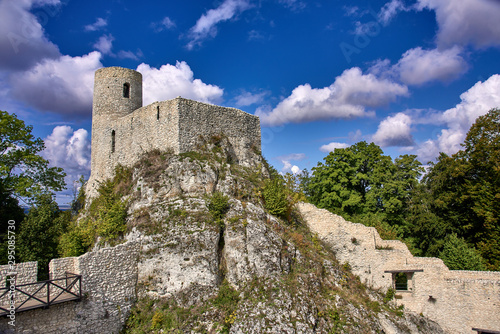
(113, 141)
(126, 90)
(157, 112)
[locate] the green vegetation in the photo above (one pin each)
(39, 233)
(23, 172)
(26, 176)
(167, 316)
(453, 209)
(218, 206)
(104, 220)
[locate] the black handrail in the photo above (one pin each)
(73, 282)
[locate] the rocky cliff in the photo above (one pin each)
(235, 268)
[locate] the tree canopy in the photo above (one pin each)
(453, 212)
(359, 179)
(23, 172)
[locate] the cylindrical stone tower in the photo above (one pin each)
(117, 92)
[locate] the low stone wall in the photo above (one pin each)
(457, 300)
(109, 278)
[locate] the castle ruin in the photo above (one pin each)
(122, 129)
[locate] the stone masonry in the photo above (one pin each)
(456, 300)
(109, 279)
(122, 129)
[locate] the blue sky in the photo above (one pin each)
(411, 76)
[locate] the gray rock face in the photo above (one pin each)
(286, 282)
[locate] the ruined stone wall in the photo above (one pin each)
(109, 278)
(457, 300)
(241, 128)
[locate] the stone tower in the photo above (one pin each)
(117, 92)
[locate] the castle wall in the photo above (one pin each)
(109, 278)
(241, 128)
(457, 300)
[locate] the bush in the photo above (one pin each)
(218, 205)
(275, 197)
(457, 255)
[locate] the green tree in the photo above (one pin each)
(457, 255)
(360, 180)
(482, 152)
(464, 190)
(23, 172)
(39, 233)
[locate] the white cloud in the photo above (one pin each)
(130, 55)
(332, 146)
(295, 169)
(168, 23)
(206, 26)
(294, 5)
(418, 66)
(287, 165)
(463, 22)
(394, 131)
(70, 150)
(390, 10)
(476, 101)
(348, 97)
(97, 25)
(170, 81)
(165, 24)
(62, 85)
(105, 44)
(22, 39)
(248, 98)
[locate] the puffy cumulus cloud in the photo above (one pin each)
(288, 167)
(418, 66)
(394, 131)
(22, 39)
(70, 150)
(97, 25)
(206, 26)
(248, 98)
(104, 44)
(332, 146)
(348, 97)
(476, 101)
(62, 85)
(170, 81)
(463, 22)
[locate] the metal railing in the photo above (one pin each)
(29, 296)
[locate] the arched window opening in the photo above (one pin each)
(126, 90)
(113, 141)
(157, 112)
